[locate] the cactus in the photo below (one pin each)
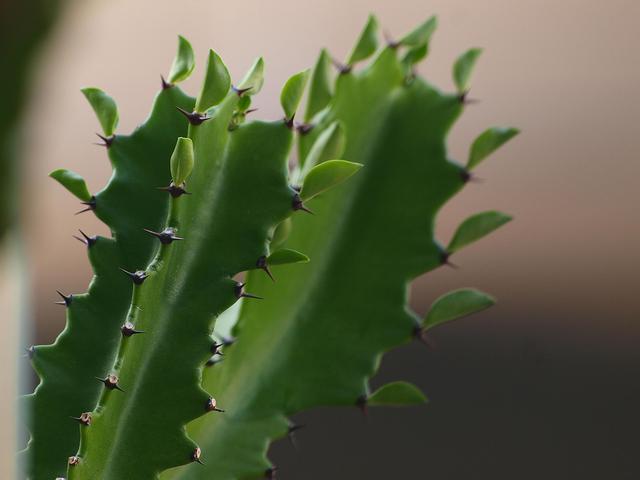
(129, 366)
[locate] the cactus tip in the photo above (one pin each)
(164, 83)
(106, 141)
(83, 419)
(166, 236)
(174, 190)
(195, 456)
(91, 205)
(110, 382)
(341, 67)
(66, 299)
(297, 204)
(240, 293)
(212, 406)
(240, 91)
(138, 277)
(128, 330)
(87, 240)
(262, 265)
(194, 118)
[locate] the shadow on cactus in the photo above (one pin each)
(200, 194)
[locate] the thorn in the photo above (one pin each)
(251, 110)
(212, 406)
(291, 434)
(128, 330)
(444, 260)
(174, 190)
(87, 240)
(137, 277)
(464, 99)
(84, 418)
(420, 334)
(465, 175)
(270, 473)
(240, 91)
(91, 205)
(341, 67)
(106, 141)
(215, 348)
(164, 83)
(297, 204)
(240, 293)
(361, 403)
(66, 299)
(30, 352)
(391, 43)
(289, 122)
(73, 461)
(166, 236)
(262, 264)
(194, 118)
(110, 382)
(304, 128)
(195, 456)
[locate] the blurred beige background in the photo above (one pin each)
(565, 72)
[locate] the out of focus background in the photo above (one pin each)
(546, 384)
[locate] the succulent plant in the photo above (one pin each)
(142, 367)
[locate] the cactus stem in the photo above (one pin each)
(270, 473)
(341, 67)
(164, 83)
(91, 205)
(128, 330)
(66, 299)
(87, 240)
(74, 460)
(137, 277)
(174, 190)
(195, 456)
(304, 128)
(240, 293)
(297, 204)
(84, 419)
(110, 382)
(194, 118)
(106, 141)
(166, 236)
(212, 406)
(262, 264)
(241, 91)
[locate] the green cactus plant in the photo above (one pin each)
(318, 335)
